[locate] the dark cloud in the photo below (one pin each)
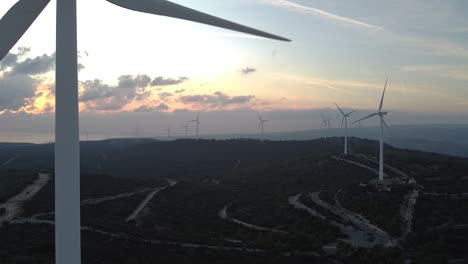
(39, 65)
(100, 96)
(179, 91)
(95, 89)
(146, 108)
(164, 95)
(12, 58)
(143, 95)
(132, 82)
(15, 91)
(9, 60)
(217, 100)
(161, 81)
(248, 70)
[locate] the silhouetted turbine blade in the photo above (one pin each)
(383, 95)
(169, 9)
(385, 124)
(323, 123)
(369, 116)
(16, 21)
(339, 109)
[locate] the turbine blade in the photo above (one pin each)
(259, 116)
(16, 21)
(169, 9)
(323, 117)
(259, 124)
(383, 95)
(342, 121)
(322, 124)
(366, 117)
(351, 112)
(340, 109)
(385, 124)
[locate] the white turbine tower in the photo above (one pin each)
(67, 134)
(260, 124)
(197, 121)
(381, 114)
(345, 121)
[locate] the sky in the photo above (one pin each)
(141, 70)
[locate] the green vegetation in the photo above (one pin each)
(13, 182)
(381, 208)
(256, 191)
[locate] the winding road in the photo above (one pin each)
(13, 205)
(223, 215)
(148, 198)
(409, 203)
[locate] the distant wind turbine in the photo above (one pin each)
(168, 131)
(138, 133)
(325, 123)
(67, 133)
(260, 124)
(197, 122)
(381, 114)
(186, 128)
(345, 121)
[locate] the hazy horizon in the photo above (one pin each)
(131, 77)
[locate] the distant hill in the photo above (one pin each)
(444, 139)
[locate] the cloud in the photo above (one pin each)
(35, 66)
(179, 91)
(161, 81)
(320, 13)
(216, 100)
(248, 70)
(12, 58)
(100, 96)
(455, 72)
(30, 66)
(132, 82)
(146, 108)
(16, 91)
(164, 95)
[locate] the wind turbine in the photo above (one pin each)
(138, 133)
(381, 114)
(325, 123)
(168, 129)
(345, 121)
(186, 128)
(260, 124)
(197, 121)
(67, 134)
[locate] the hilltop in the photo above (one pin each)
(231, 200)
